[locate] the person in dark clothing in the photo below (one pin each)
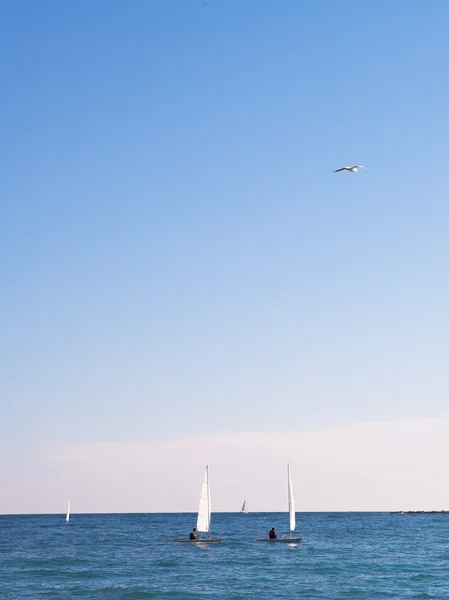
(193, 535)
(272, 534)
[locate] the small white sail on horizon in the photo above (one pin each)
(67, 514)
(244, 507)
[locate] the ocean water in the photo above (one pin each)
(344, 556)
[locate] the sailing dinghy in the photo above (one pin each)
(292, 516)
(67, 514)
(204, 511)
(244, 507)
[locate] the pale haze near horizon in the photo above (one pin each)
(366, 466)
(185, 281)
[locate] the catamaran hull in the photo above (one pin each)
(284, 540)
(211, 541)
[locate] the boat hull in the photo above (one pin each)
(201, 541)
(284, 540)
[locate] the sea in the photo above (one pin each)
(343, 556)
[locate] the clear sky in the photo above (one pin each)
(179, 264)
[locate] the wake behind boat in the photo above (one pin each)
(204, 513)
(292, 518)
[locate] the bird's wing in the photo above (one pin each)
(358, 167)
(342, 169)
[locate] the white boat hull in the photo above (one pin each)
(201, 541)
(284, 540)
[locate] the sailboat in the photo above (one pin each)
(67, 514)
(244, 507)
(291, 513)
(204, 513)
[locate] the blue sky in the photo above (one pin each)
(176, 255)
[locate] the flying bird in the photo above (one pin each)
(353, 169)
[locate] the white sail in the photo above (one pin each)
(291, 514)
(244, 507)
(67, 515)
(291, 502)
(203, 521)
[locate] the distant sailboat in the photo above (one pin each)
(67, 514)
(291, 514)
(204, 514)
(244, 507)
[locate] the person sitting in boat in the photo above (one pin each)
(193, 535)
(272, 534)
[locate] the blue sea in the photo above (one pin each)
(363, 556)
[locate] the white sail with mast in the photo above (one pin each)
(244, 507)
(204, 513)
(203, 520)
(67, 514)
(291, 516)
(291, 502)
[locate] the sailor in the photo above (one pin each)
(272, 534)
(193, 535)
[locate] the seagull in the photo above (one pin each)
(353, 169)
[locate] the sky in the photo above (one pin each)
(185, 281)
